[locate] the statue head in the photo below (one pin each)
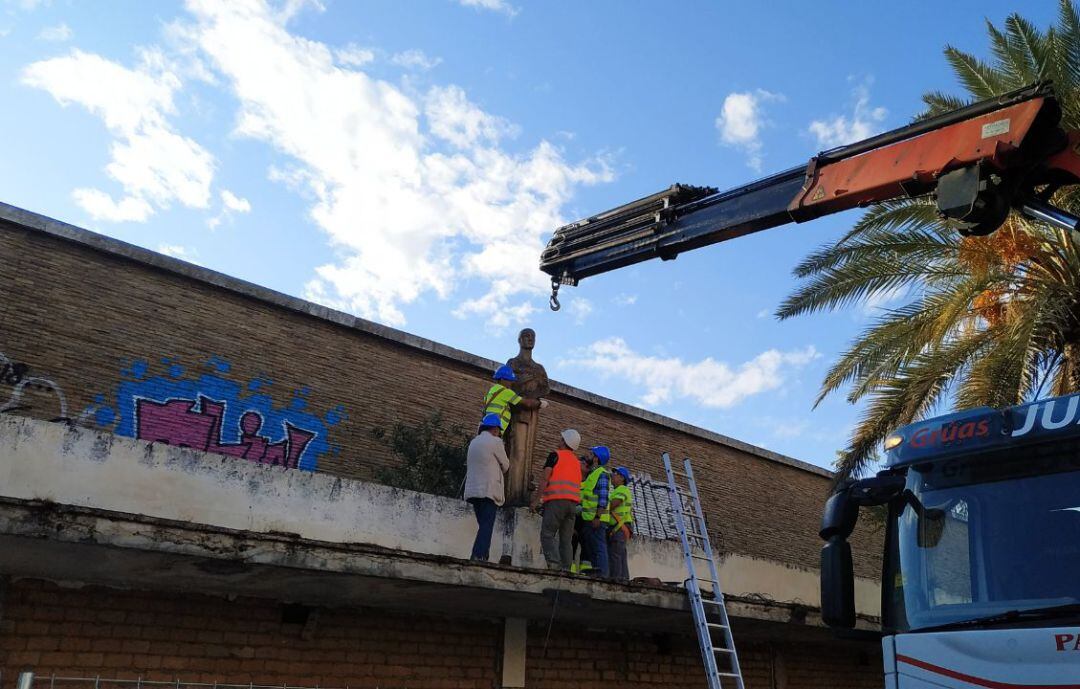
(527, 339)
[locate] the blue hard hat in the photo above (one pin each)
(624, 472)
(491, 421)
(504, 372)
(602, 453)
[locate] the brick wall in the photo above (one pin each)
(92, 631)
(106, 330)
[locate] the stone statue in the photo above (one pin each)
(532, 385)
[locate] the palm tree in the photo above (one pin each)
(989, 320)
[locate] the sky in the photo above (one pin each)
(407, 162)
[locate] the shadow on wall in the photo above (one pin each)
(208, 411)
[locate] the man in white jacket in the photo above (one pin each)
(486, 464)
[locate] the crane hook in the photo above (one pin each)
(554, 301)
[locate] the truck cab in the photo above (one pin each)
(981, 569)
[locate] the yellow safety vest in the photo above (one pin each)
(498, 400)
(590, 500)
(624, 513)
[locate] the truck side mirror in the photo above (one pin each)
(837, 523)
(837, 584)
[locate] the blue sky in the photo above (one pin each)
(406, 161)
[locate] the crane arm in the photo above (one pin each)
(978, 162)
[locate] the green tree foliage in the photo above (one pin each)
(988, 320)
(431, 456)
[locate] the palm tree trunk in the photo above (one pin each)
(1070, 364)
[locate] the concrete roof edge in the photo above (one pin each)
(109, 245)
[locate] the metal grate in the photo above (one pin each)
(652, 508)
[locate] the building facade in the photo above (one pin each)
(187, 490)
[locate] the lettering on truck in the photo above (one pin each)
(1065, 642)
(950, 433)
(1046, 419)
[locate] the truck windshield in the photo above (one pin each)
(983, 536)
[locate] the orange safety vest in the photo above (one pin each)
(565, 480)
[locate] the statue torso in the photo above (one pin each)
(532, 380)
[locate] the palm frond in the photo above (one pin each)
(938, 103)
(979, 78)
(908, 397)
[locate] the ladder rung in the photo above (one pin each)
(700, 557)
(717, 649)
(713, 625)
(713, 602)
(727, 674)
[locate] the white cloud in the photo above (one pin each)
(453, 118)
(865, 121)
(625, 299)
(764, 313)
(741, 120)
(58, 33)
(493, 5)
(230, 203)
(415, 59)
(101, 206)
(415, 198)
(234, 203)
(153, 164)
(29, 5)
(580, 308)
(708, 382)
(353, 55)
(177, 251)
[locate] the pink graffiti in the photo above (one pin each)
(176, 422)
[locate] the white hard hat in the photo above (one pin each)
(572, 438)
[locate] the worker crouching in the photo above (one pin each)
(622, 515)
(560, 494)
(486, 462)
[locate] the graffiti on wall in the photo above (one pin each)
(17, 375)
(208, 410)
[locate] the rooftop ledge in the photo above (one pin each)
(98, 242)
(84, 505)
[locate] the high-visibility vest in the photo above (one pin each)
(590, 500)
(624, 513)
(498, 400)
(565, 480)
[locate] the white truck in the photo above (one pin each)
(981, 569)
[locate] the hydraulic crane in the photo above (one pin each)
(978, 162)
(979, 586)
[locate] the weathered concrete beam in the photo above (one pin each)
(81, 467)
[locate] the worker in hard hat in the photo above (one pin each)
(501, 398)
(486, 462)
(594, 510)
(560, 494)
(622, 520)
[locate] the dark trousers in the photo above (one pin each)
(578, 541)
(596, 542)
(485, 509)
(618, 565)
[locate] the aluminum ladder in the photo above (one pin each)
(710, 614)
